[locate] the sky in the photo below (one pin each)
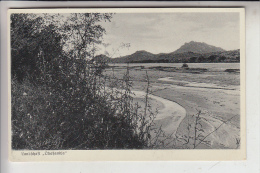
(166, 32)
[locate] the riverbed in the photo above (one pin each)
(215, 92)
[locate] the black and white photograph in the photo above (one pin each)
(126, 80)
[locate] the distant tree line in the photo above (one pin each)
(199, 59)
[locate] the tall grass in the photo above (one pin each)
(97, 113)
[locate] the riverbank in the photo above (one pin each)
(169, 114)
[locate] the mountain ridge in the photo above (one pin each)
(198, 47)
(189, 52)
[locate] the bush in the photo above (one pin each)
(185, 65)
(44, 119)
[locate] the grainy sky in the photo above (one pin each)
(166, 32)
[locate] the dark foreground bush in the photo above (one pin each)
(59, 98)
(45, 119)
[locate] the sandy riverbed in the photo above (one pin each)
(216, 94)
(218, 105)
(169, 115)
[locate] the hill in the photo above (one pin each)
(198, 47)
(135, 57)
(192, 52)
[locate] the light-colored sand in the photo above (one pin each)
(226, 136)
(199, 84)
(170, 116)
(217, 104)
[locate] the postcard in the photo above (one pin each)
(127, 84)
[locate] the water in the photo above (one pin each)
(209, 66)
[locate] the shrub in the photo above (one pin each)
(185, 65)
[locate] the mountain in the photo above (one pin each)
(198, 47)
(137, 56)
(193, 52)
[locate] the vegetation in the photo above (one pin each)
(60, 98)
